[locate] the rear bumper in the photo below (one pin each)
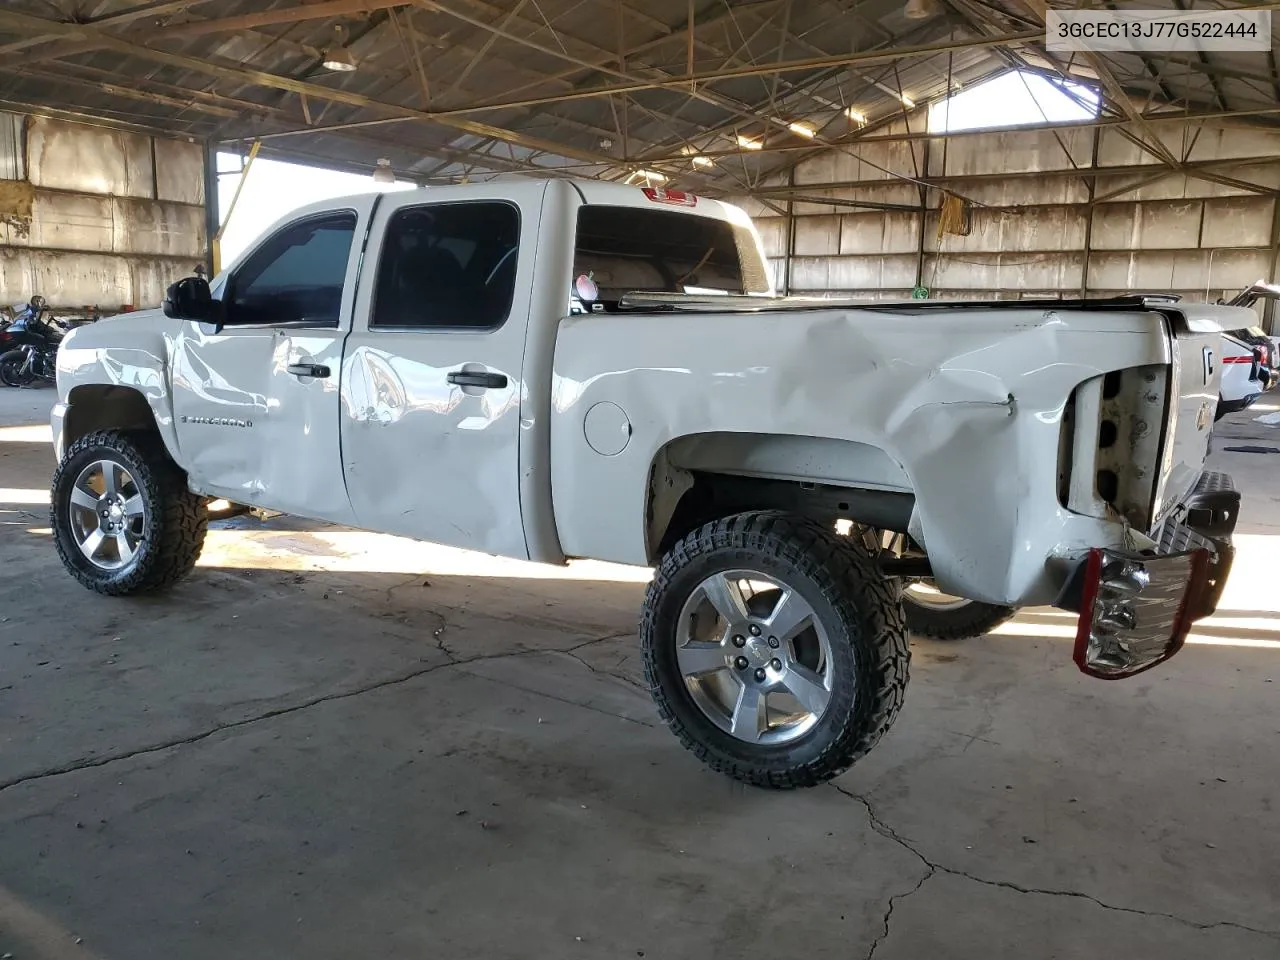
(1137, 607)
(1234, 406)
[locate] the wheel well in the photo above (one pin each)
(713, 496)
(106, 407)
(705, 477)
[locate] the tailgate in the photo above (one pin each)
(1196, 372)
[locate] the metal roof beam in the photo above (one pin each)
(294, 14)
(260, 78)
(754, 70)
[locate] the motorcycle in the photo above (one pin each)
(29, 346)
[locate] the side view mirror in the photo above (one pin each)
(191, 299)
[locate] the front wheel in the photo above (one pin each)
(122, 517)
(940, 616)
(14, 371)
(774, 648)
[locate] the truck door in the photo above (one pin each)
(256, 403)
(431, 380)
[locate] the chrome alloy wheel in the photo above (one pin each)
(755, 658)
(107, 515)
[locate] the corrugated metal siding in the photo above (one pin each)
(1180, 233)
(13, 164)
(115, 218)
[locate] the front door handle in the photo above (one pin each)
(317, 370)
(468, 378)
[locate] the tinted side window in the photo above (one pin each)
(297, 275)
(448, 265)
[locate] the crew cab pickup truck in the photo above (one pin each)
(555, 369)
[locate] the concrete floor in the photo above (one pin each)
(332, 744)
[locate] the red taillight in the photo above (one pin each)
(677, 198)
(1136, 611)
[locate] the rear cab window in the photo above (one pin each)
(632, 249)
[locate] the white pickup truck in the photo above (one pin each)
(557, 369)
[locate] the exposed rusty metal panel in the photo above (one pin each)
(80, 222)
(66, 221)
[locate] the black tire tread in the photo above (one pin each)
(963, 623)
(852, 583)
(179, 520)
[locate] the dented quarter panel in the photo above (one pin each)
(132, 351)
(968, 404)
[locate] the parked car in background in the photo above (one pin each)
(1250, 357)
(1244, 374)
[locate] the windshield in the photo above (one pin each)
(626, 249)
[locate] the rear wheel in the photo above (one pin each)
(122, 517)
(774, 648)
(940, 616)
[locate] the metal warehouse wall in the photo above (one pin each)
(91, 216)
(1044, 230)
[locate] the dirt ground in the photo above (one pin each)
(333, 744)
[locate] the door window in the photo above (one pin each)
(297, 276)
(448, 265)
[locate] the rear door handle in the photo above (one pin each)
(317, 370)
(467, 378)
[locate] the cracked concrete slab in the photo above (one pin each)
(482, 819)
(951, 916)
(332, 744)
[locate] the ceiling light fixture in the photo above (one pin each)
(855, 116)
(918, 10)
(690, 151)
(746, 143)
(908, 102)
(803, 130)
(383, 173)
(338, 58)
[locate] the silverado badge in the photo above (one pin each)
(219, 421)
